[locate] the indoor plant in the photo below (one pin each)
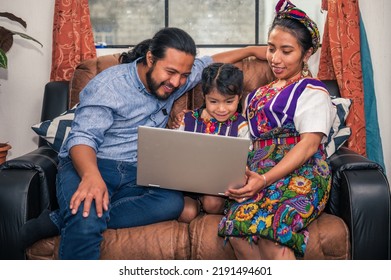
(6, 37)
(6, 42)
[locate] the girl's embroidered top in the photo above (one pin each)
(235, 126)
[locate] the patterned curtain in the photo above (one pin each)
(73, 39)
(340, 59)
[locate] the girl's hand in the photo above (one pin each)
(176, 122)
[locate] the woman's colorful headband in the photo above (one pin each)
(285, 9)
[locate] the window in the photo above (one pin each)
(212, 23)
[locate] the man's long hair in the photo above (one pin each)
(170, 37)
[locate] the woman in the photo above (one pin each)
(289, 177)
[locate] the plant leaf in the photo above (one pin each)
(25, 36)
(3, 59)
(13, 18)
(6, 39)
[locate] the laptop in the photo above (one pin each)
(190, 162)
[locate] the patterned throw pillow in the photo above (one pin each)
(339, 132)
(55, 131)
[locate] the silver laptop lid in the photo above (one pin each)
(192, 162)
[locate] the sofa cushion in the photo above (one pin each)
(161, 241)
(85, 71)
(55, 131)
(328, 239)
(339, 132)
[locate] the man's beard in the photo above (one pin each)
(154, 86)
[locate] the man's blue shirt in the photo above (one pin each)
(114, 104)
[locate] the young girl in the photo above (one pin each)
(222, 86)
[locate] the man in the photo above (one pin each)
(96, 181)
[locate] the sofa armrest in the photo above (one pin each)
(27, 186)
(18, 190)
(43, 160)
(360, 195)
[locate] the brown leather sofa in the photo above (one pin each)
(355, 225)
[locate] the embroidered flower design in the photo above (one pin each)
(307, 172)
(300, 185)
(284, 233)
(262, 221)
(246, 212)
(274, 194)
(322, 168)
(268, 204)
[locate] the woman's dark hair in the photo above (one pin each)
(297, 29)
(169, 37)
(226, 78)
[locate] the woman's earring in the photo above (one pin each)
(305, 71)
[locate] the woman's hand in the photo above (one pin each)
(254, 184)
(295, 158)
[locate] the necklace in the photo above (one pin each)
(287, 83)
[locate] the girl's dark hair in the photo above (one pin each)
(226, 78)
(297, 29)
(169, 37)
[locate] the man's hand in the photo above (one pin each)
(90, 188)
